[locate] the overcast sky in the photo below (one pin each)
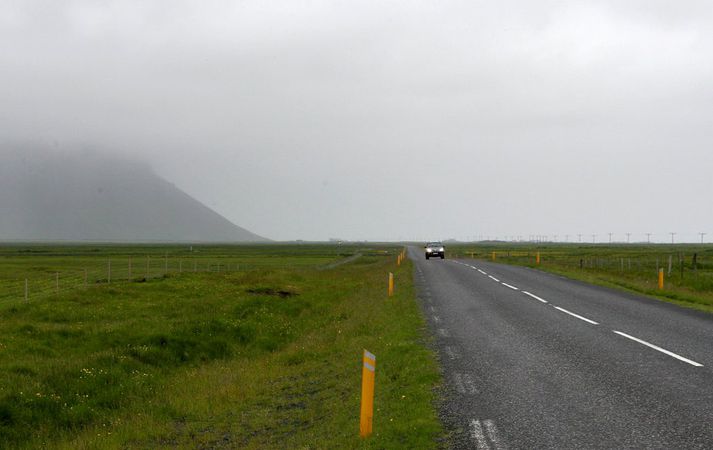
(385, 120)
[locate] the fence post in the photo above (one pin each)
(670, 264)
(695, 262)
(367, 394)
(661, 278)
(391, 284)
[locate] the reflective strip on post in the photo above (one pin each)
(368, 373)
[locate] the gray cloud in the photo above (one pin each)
(384, 120)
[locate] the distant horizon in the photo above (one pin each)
(334, 242)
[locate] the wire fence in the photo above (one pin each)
(691, 269)
(42, 282)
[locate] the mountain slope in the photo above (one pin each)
(88, 197)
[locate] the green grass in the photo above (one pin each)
(48, 269)
(632, 267)
(264, 357)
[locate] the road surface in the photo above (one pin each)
(534, 360)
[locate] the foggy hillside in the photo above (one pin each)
(89, 197)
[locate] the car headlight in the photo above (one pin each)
(441, 249)
(429, 250)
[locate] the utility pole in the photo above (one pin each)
(627, 237)
(648, 238)
(580, 237)
(594, 239)
(610, 237)
(702, 234)
(672, 235)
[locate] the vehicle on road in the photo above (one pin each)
(435, 249)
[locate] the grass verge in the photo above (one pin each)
(266, 358)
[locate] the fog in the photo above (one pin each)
(385, 120)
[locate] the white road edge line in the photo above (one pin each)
(576, 315)
(535, 297)
(511, 287)
(493, 278)
(679, 357)
(476, 433)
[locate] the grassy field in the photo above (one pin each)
(688, 268)
(264, 355)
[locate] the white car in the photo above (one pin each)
(435, 249)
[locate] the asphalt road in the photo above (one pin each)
(533, 360)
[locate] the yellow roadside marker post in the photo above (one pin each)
(660, 279)
(537, 258)
(391, 284)
(368, 373)
(493, 256)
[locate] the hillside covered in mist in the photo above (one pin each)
(83, 196)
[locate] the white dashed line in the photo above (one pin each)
(481, 436)
(484, 273)
(469, 384)
(576, 315)
(476, 433)
(492, 432)
(493, 278)
(452, 352)
(511, 287)
(679, 357)
(464, 384)
(436, 319)
(458, 383)
(535, 297)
